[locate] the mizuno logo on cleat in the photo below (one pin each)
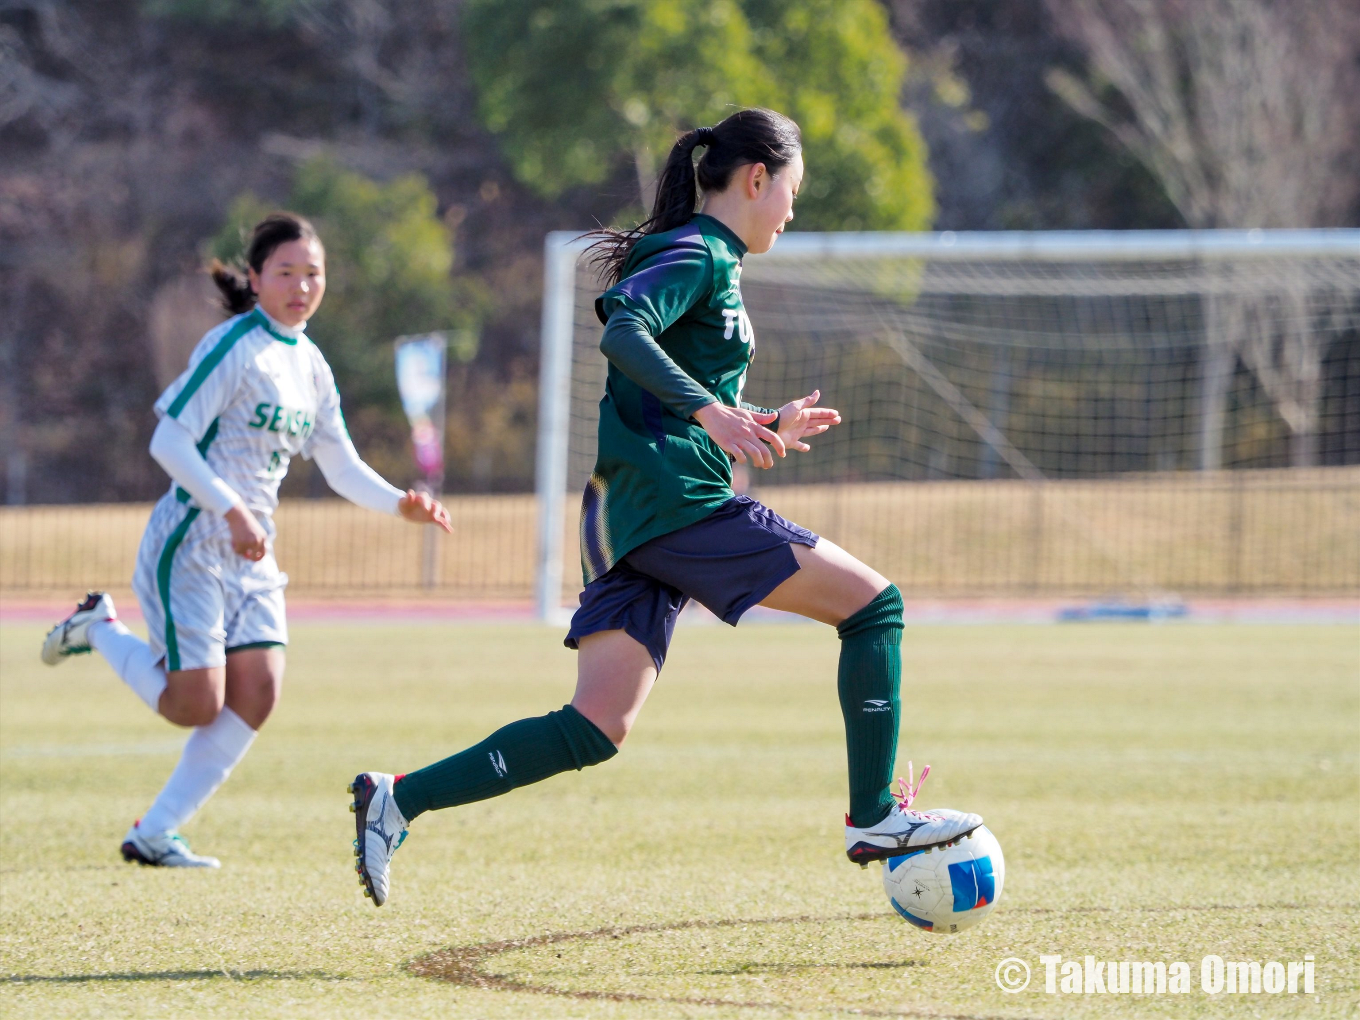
(498, 763)
(904, 838)
(877, 705)
(387, 840)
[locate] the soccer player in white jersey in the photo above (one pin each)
(257, 392)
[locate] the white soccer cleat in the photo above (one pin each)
(905, 830)
(163, 850)
(381, 829)
(72, 635)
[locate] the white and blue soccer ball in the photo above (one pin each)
(947, 889)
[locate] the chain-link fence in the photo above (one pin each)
(1280, 532)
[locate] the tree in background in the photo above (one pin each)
(1005, 152)
(388, 262)
(838, 73)
(128, 127)
(1244, 110)
(255, 13)
(571, 87)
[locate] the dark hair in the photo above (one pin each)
(748, 136)
(275, 229)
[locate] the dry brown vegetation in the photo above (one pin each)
(1261, 532)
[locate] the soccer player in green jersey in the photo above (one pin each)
(660, 523)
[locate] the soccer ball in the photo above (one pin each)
(947, 889)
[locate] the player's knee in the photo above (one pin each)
(609, 727)
(883, 610)
(590, 740)
(261, 706)
(254, 680)
(195, 706)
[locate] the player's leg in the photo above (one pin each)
(245, 689)
(518, 754)
(622, 631)
(830, 586)
(614, 675)
(835, 588)
(94, 626)
(185, 697)
(167, 549)
(745, 554)
(866, 609)
(229, 645)
(193, 697)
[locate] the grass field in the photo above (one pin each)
(1161, 793)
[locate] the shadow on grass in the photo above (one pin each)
(175, 975)
(464, 965)
(792, 968)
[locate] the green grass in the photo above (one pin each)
(1162, 793)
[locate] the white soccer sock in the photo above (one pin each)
(210, 753)
(131, 658)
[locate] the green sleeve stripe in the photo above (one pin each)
(206, 366)
(180, 493)
(208, 437)
(340, 410)
(163, 585)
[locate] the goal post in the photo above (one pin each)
(562, 250)
(1031, 412)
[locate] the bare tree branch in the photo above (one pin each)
(1242, 109)
(1245, 111)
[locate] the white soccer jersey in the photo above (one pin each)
(254, 395)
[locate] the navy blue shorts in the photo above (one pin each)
(728, 562)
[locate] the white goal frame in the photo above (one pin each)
(563, 250)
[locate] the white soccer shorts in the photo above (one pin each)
(200, 599)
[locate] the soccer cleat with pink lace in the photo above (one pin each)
(904, 830)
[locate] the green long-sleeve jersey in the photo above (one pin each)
(656, 469)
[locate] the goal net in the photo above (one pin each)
(1129, 414)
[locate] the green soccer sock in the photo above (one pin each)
(869, 678)
(524, 752)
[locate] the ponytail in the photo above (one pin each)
(237, 297)
(275, 229)
(747, 136)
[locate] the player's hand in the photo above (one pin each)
(741, 433)
(799, 419)
(248, 538)
(422, 508)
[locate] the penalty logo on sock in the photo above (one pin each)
(877, 705)
(498, 763)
